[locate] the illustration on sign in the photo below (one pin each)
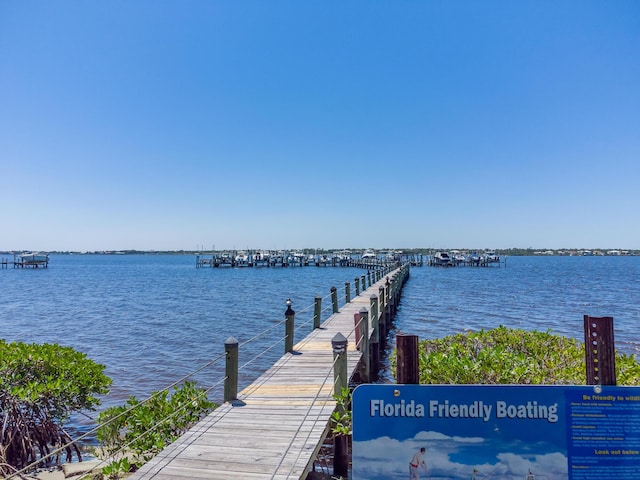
(514, 432)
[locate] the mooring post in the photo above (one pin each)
(364, 283)
(334, 299)
(231, 369)
(365, 374)
(347, 292)
(339, 345)
(600, 352)
(407, 367)
(369, 276)
(375, 335)
(383, 315)
(289, 315)
(387, 292)
(357, 282)
(317, 312)
(340, 382)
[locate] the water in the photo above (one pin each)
(151, 319)
(532, 293)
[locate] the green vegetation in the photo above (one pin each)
(136, 431)
(341, 418)
(511, 356)
(40, 386)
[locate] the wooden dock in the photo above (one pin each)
(276, 426)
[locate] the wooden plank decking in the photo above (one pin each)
(276, 427)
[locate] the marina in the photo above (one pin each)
(456, 258)
(296, 258)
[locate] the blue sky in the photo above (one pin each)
(321, 124)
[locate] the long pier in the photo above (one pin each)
(274, 428)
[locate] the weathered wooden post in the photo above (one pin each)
(369, 276)
(357, 282)
(340, 442)
(600, 352)
(334, 299)
(231, 369)
(365, 374)
(339, 345)
(347, 292)
(364, 283)
(317, 312)
(407, 367)
(383, 316)
(289, 315)
(387, 292)
(375, 335)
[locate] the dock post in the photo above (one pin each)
(365, 374)
(357, 282)
(334, 299)
(339, 345)
(407, 367)
(600, 352)
(383, 316)
(340, 442)
(364, 282)
(289, 327)
(231, 370)
(347, 292)
(369, 276)
(375, 335)
(387, 291)
(317, 311)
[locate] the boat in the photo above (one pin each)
(473, 258)
(458, 257)
(442, 258)
(242, 259)
(260, 259)
(368, 254)
(224, 260)
(491, 257)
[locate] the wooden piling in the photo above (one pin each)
(231, 370)
(407, 365)
(334, 299)
(347, 292)
(375, 335)
(317, 312)
(289, 328)
(365, 373)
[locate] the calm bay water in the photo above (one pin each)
(151, 319)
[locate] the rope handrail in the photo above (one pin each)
(273, 345)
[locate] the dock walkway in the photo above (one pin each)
(277, 425)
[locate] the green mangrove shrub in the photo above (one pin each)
(341, 417)
(141, 429)
(40, 386)
(511, 356)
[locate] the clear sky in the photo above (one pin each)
(324, 124)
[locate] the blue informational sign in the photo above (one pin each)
(506, 432)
